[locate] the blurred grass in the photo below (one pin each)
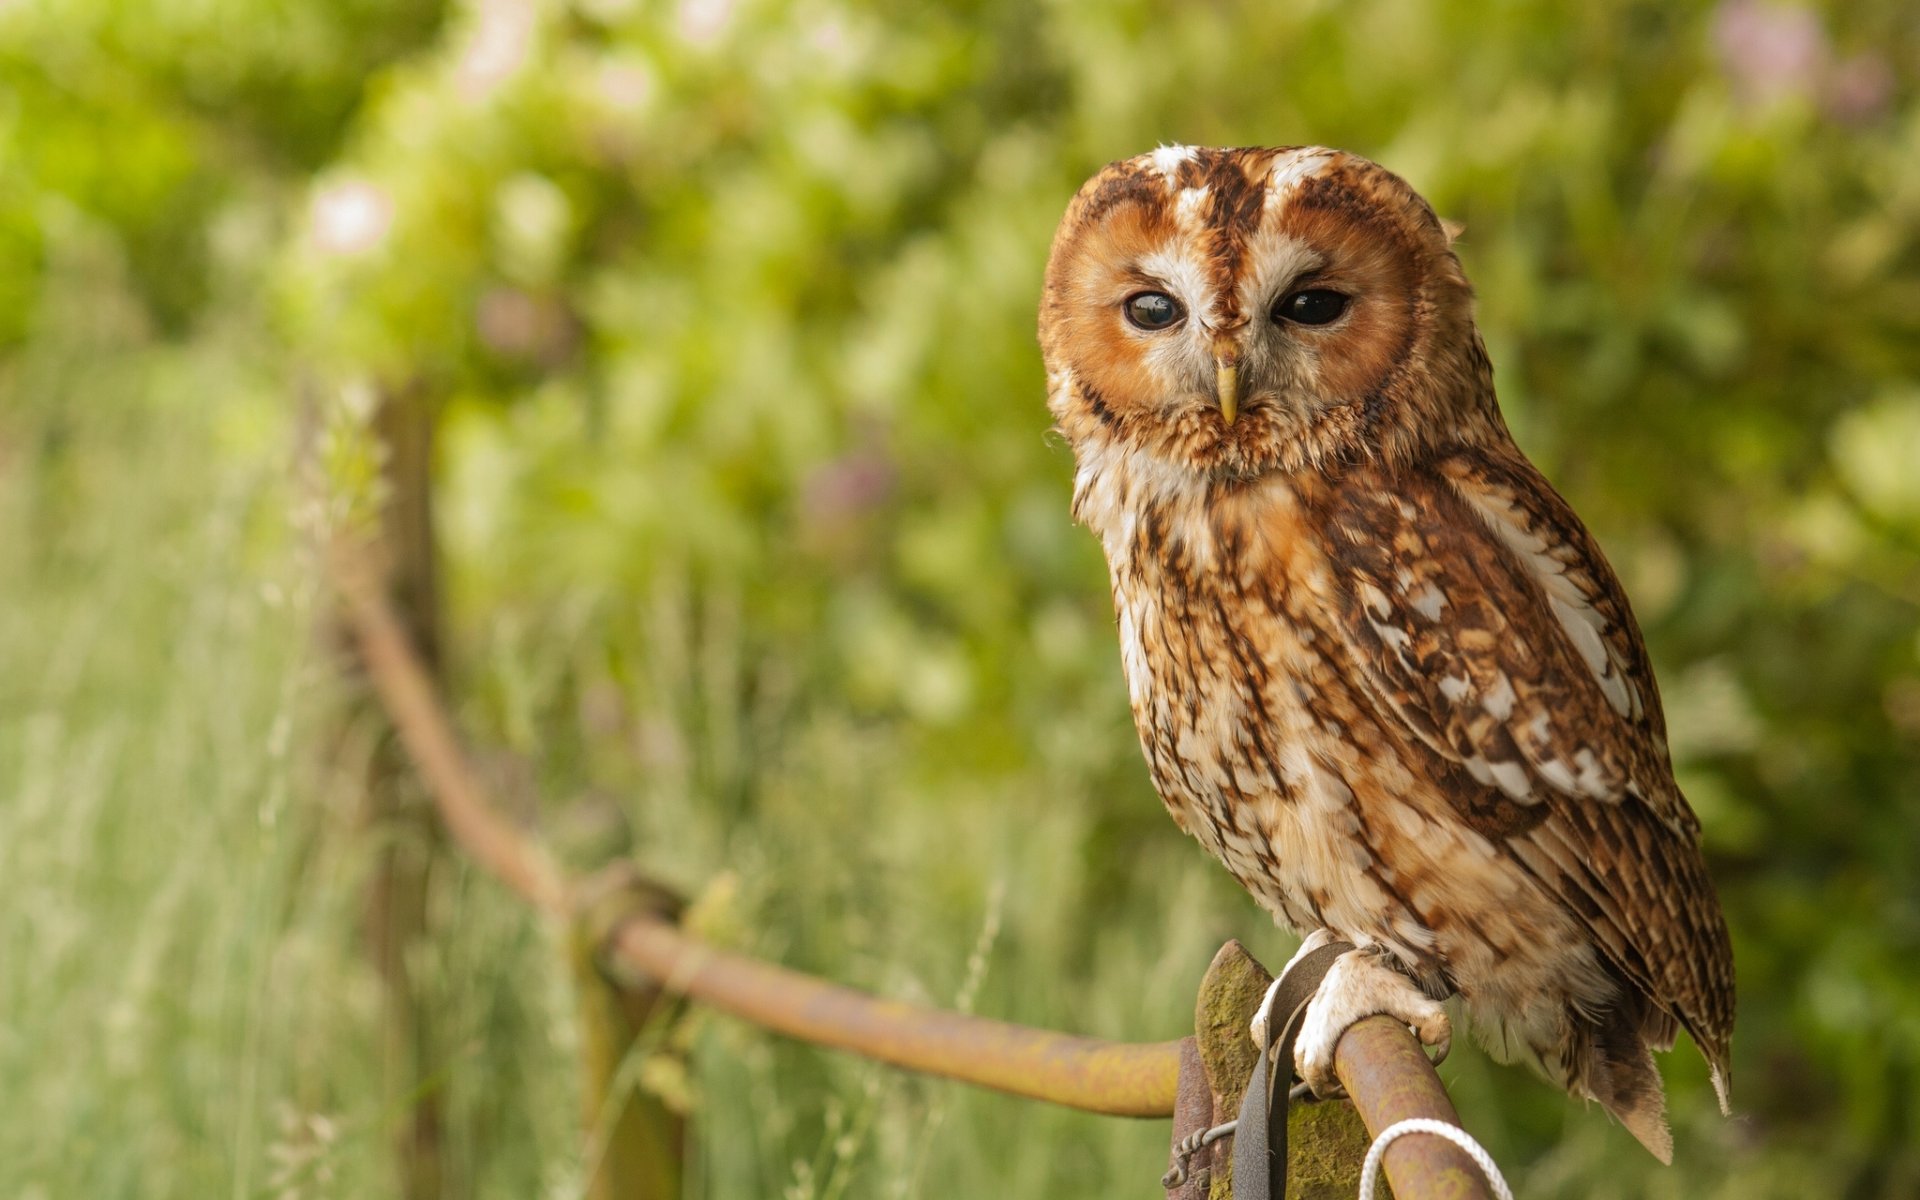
(754, 536)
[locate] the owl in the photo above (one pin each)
(1379, 668)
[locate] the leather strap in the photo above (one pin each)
(1260, 1140)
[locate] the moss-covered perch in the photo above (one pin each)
(1326, 1140)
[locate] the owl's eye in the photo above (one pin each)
(1153, 310)
(1314, 306)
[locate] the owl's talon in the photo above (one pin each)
(1361, 985)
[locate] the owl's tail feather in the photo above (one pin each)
(1619, 1073)
(1640, 1104)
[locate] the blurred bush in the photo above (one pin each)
(726, 307)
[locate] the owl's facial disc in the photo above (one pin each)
(1231, 312)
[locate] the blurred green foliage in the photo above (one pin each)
(753, 529)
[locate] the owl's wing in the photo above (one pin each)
(1490, 625)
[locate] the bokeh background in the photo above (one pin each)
(753, 543)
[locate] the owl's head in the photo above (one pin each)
(1243, 311)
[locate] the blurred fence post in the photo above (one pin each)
(635, 1142)
(396, 813)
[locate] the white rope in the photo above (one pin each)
(1370, 1170)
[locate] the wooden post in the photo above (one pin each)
(396, 812)
(635, 1142)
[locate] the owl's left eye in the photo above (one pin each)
(1313, 306)
(1153, 310)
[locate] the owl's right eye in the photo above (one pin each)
(1153, 310)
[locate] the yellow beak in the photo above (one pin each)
(1226, 381)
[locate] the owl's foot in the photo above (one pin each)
(1264, 1015)
(1360, 984)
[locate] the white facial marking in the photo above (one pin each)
(1167, 159)
(1189, 207)
(1289, 170)
(1277, 261)
(1179, 357)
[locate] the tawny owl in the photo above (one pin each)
(1378, 666)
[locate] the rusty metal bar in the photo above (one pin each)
(1389, 1078)
(407, 690)
(1119, 1079)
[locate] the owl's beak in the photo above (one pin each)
(1226, 382)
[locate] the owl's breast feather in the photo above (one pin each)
(1237, 710)
(1263, 745)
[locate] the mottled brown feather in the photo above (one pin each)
(1624, 851)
